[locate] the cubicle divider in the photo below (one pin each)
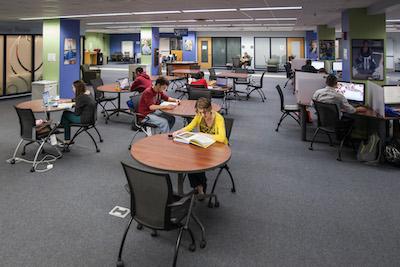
(306, 84)
(297, 63)
(376, 98)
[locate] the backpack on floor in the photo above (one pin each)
(392, 152)
(370, 151)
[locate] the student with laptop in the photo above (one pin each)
(198, 79)
(150, 105)
(85, 107)
(210, 123)
(308, 67)
(141, 82)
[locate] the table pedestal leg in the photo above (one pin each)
(180, 183)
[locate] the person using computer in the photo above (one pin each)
(198, 79)
(142, 81)
(308, 67)
(151, 108)
(85, 107)
(210, 123)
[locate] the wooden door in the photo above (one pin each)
(204, 53)
(296, 47)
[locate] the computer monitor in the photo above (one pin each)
(221, 81)
(318, 64)
(124, 83)
(337, 66)
(353, 92)
(391, 94)
(46, 97)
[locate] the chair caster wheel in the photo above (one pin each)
(120, 264)
(233, 190)
(192, 247)
(203, 243)
(32, 169)
(66, 149)
(154, 233)
(97, 150)
(101, 140)
(310, 148)
(139, 227)
(216, 204)
(12, 161)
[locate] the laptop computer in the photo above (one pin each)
(124, 83)
(223, 82)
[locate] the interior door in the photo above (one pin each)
(296, 47)
(204, 52)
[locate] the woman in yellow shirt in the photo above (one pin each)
(210, 123)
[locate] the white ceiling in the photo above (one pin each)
(314, 13)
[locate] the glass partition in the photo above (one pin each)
(19, 64)
(38, 70)
(219, 51)
(233, 48)
(261, 52)
(278, 50)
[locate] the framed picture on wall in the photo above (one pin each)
(146, 46)
(327, 50)
(367, 59)
(69, 51)
(188, 45)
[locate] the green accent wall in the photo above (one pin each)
(95, 40)
(364, 26)
(325, 33)
(51, 45)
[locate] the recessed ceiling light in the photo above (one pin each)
(79, 16)
(187, 20)
(246, 25)
(156, 12)
(234, 20)
(279, 24)
(271, 8)
(131, 22)
(209, 10)
(276, 19)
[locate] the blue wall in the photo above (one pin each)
(189, 55)
(69, 73)
(155, 43)
(116, 39)
(311, 36)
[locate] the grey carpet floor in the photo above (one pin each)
(293, 207)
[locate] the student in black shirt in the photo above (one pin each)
(308, 67)
(85, 107)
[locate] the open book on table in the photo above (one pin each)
(195, 139)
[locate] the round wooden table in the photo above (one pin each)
(113, 88)
(161, 153)
(37, 106)
(187, 109)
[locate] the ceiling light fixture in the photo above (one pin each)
(269, 19)
(187, 20)
(234, 20)
(271, 8)
(280, 24)
(131, 22)
(210, 10)
(79, 16)
(156, 12)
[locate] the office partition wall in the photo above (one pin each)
(262, 51)
(224, 49)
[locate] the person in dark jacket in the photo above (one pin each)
(85, 107)
(308, 67)
(142, 81)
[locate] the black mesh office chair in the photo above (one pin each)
(287, 110)
(213, 75)
(154, 206)
(258, 87)
(85, 127)
(100, 97)
(289, 73)
(195, 92)
(328, 121)
(31, 134)
(139, 122)
(228, 129)
(88, 75)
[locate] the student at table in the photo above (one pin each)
(142, 81)
(150, 105)
(210, 123)
(85, 107)
(308, 67)
(198, 79)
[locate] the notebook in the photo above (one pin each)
(200, 140)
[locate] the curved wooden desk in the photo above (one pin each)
(187, 109)
(161, 153)
(37, 106)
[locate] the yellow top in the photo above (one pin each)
(217, 130)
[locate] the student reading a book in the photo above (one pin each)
(198, 79)
(150, 105)
(85, 107)
(210, 123)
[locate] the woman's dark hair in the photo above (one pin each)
(80, 88)
(331, 80)
(203, 103)
(201, 74)
(139, 70)
(162, 81)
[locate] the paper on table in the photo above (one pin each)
(65, 105)
(166, 103)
